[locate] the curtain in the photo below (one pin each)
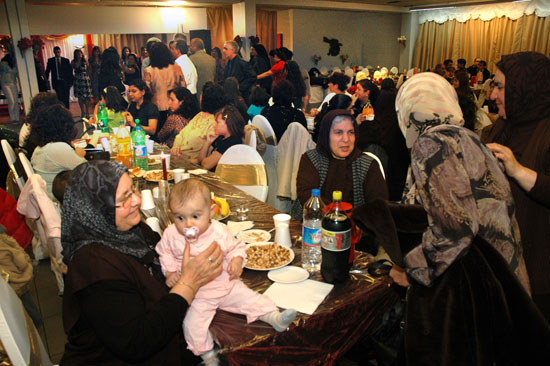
(134, 41)
(220, 23)
(266, 28)
(477, 38)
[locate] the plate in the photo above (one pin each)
(137, 172)
(257, 248)
(254, 236)
(156, 175)
(219, 217)
(289, 274)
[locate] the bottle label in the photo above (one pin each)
(141, 151)
(336, 241)
(311, 236)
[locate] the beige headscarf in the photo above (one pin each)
(426, 100)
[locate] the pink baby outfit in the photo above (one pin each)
(232, 296)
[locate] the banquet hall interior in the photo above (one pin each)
(401, 34)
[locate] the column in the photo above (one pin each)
(19, 28)
(244, 24)
(409, 29)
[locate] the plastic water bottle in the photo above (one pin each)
(124, 146)
(103, 118)
(311, 232)
(140, 148)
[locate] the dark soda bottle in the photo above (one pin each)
(335, 242)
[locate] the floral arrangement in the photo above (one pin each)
(37, 43)
(343, 58)
(316, 59)
(254, 40)
(24, 44)
(6, 44)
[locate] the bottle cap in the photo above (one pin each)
(315, 192)
(337, 195)
(137, 121)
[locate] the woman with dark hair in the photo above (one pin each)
(277, 70)
(39, 101)
(124, 54)
(114, 104)
(366, 92)
(259, 60)
(337, 164)
(141, 107)
(82, 87)
(162, 75)
(233, 95)
(52, 131)
(281, 113)
(220, 64)
(95, 66)
(116, 307)
(294, 75)
(228, 131)
(339, 101)
(110, 73)
(259, 99)
(131, 69)
(183, 107)
(191, 139)
(466, 99)
(337, 84)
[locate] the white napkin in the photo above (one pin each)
(305, 296)
(237, 226)
(197, 171)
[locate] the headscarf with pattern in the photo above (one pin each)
(426, 100)
(89, 213)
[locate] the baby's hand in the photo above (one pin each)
(171, 278)
(235, 268)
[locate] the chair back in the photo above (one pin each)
(11, 158)
(263, 124)
(242, 166)
(252, 140)
(372, 155)
(27, 166)
(17, 331)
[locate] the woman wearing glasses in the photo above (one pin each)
(116, 308)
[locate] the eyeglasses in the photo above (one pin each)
(125, 202)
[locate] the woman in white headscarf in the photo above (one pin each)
(468, 286)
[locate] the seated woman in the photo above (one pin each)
(336, 164)
(339, 101)
(116, 307)
(282, 113)
(52, 132)
(141, 107)
(40, 100)
(466, 99)
(114, 104)
(183, 107)
(258, 99)
(229, 131)
(190, 141)
(467, 277)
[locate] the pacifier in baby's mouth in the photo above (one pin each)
(191, 233)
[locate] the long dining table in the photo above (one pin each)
(351, 310)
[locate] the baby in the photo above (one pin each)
(191, 209)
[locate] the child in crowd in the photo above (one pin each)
(192, 209)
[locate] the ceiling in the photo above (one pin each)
(377, 5)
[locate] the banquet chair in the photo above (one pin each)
(12, 160)
(483, 93)
(18, 334)
(263, 124)
(252, 140)
(242, 166)
(27, 166)
(372, 155)
(270, 158)
(294, 143)
(36, 204)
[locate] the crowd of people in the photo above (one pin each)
(477, 273)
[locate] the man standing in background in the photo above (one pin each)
(179, 51)
(204, 63)
(238, 68)
(62, 75)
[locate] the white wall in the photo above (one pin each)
(45, 19)
(368, 38)
(284, 26)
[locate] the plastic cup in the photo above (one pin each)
(147, 201)
(155, 193)
(154, 223)
(281, 219)
(150, 146)
(167, 157)
(310, 123)
(178, 175)
(282, 235)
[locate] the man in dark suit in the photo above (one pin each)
(62, 75)
(239, 68)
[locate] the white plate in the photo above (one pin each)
(158, 171)
(289, 274)
(254, 236)
(270, 268)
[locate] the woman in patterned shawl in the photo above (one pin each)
(467, 297)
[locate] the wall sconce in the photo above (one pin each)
(402, 40)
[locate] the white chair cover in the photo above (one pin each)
(263, 124)
(15, 328)
(11, 158)
(27, 166)
(252, 140)
(244, 155)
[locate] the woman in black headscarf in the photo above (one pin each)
(259, 61)
(116, 308)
